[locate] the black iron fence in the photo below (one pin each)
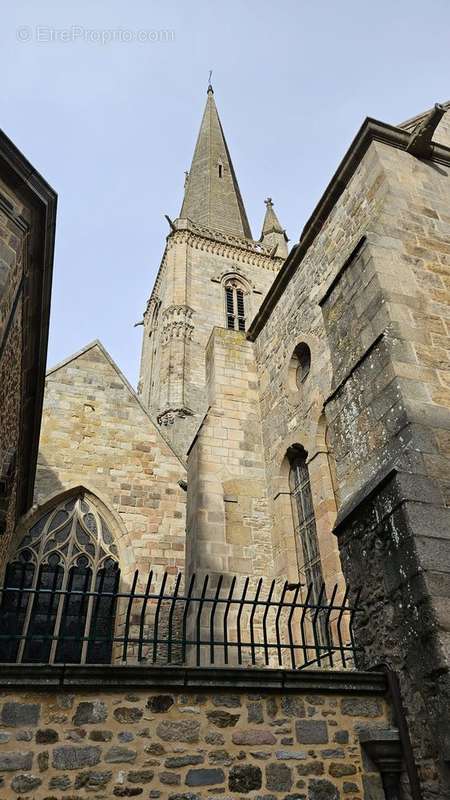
(211, 620)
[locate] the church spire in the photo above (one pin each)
(212, 197)
(273, 235)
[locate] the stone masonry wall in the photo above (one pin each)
(187, 745)
(296, 416)
(229, 527)
(191, 298)
(95, 434)
(11, 271)
(387, 320)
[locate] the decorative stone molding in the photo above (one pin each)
(168, 417)
(177, 323)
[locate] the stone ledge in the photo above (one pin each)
(45, 677)
(410, 487)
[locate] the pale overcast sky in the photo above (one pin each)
(112, 124)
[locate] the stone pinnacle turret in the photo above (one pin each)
(273, 235)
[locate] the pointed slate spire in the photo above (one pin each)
(273, 235)
(212, 197)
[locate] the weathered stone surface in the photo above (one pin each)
(100, 736)
(169, 778)
(204, 777)
(69, 757)
(59, 782)
(348, 787)
(24, 736)
(214, 737)
(90, 713)
(155, 749)
(174, 762)
(12, 760)
(92, 780)
(321, 789)
(127, 791)
(4, 737)
(278, 777)
(43, 759)
(25, 783)
(311, 731)
(221, 757)
(292, 706)
(127, 715)
(334, 752)
(223, 719)
(286, 755)
(255, 713)
(76, 735)
(119, 755)
(252, 737)
(160, 703)
(14, 715)
(125, 736)
(46, 736)
(182, 731)
(311, 768)
(338, 769)
(227, 700)
(65, 701)
(361, 706)
(244, 779)
(141, 776)
(184, 796)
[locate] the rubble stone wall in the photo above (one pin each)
(187, 745)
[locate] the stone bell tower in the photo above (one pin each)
(212, 274)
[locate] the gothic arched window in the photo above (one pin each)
(234, 305)
(305, 521)
(66, 557)
(307, 544)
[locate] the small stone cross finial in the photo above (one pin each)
(268, 201)
(210, 88)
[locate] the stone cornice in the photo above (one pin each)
(116, 678)
(371, 131)
(242, 251)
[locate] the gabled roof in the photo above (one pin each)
(212, 197)
(97, 344)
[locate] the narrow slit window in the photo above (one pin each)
(306, 533)
(220, 170)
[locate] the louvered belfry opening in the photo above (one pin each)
(235, 306)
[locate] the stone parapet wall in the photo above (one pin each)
(188, 738)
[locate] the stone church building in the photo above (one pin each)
(291, 423)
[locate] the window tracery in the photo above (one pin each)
(70, 548)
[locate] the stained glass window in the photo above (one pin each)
(65, 557)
